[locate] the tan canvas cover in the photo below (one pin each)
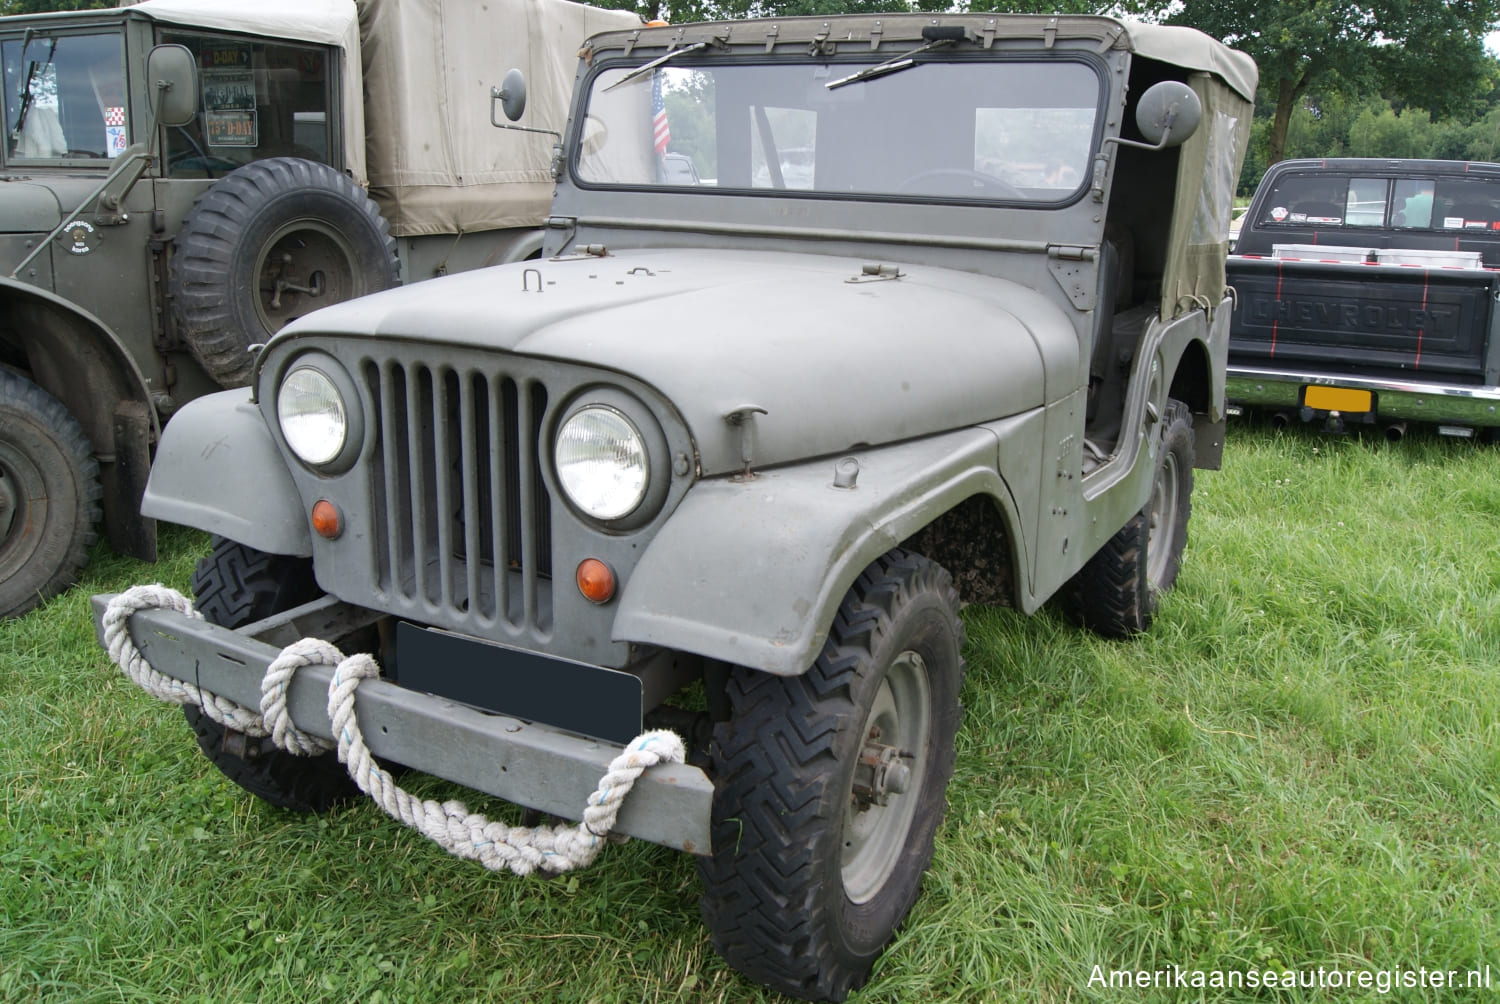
(326, 22)
(436, 163)
(1208, 171)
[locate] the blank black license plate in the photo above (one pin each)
(573, 696)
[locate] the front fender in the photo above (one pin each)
(752, 572)
(218, 469)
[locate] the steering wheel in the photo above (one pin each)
(978, 183)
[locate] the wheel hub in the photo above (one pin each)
(887, 779)
(882, 771)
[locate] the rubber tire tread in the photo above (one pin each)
(40, 428)
(213, 284)
(1112, 594)
(773, 889)
(237, 585)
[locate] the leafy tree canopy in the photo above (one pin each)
(1428, 53)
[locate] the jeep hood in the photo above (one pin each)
(835, 358)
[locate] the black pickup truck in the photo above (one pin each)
(1367, 294)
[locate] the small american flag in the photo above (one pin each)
(114, 116)
(660, 129)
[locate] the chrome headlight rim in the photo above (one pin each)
(645, 504)
(319, 365)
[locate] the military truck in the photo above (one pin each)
(938, 312)
(1367, 296)
(157, 217)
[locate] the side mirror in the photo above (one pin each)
(173, 77)
(1168, 113)
(512, 95)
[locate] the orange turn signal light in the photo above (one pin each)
(596, 580)
(326, 520)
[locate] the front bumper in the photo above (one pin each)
(531, 765)
(1406, 400)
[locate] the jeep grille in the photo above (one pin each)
(461, 516)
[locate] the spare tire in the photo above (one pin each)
(268, 243)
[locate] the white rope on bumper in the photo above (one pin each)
(451, 825)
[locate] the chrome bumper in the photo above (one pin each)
(530, 765)
(1398, 399)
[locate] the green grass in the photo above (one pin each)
(1297, 768)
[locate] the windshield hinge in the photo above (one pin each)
(771, 34)
(820, 45)
(1071, 252)
(1049, 34)
(875, 34)
(990, 27)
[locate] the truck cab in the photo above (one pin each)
(159, 216)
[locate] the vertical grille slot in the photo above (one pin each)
(461, 520)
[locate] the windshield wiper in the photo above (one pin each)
(31, 74)
(645, 68)
(936, 37)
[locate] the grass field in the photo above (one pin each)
(1297, 768)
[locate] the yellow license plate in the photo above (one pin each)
(1340, 399)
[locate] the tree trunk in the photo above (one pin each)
(1286, 98)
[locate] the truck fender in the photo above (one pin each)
(75, 357)
(752, 571)
(218, 469)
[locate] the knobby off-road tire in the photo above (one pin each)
(1117, 592)
(268, 243)
(49, 496)
(810, 878)
(237, 585)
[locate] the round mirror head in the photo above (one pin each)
(513, 94)
(1168, 113)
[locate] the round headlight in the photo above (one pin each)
(314, 418)
(602, 462)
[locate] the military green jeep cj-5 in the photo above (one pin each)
(838, 320)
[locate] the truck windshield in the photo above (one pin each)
(65, 97)
(1004, 130)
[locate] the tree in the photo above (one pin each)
(45, 6)
(1429, 53)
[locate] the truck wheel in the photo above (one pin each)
(1116, 593)
(829, 787)
(237, 585)
(49, 495)
(269, 242)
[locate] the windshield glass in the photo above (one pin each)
(990, 130)
(65, 97)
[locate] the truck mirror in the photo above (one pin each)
(1168, 113)
(512, 94)
(173, 77)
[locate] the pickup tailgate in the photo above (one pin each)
(1365, 319)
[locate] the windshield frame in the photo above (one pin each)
(837, 66)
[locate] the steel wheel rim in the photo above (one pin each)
(15, 510)
(1163, 519)
(875, 835)
(296, 253)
